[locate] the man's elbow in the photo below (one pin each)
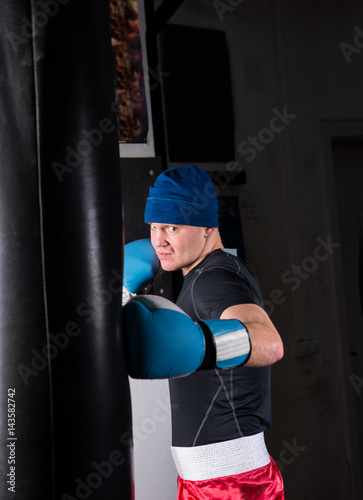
(277, 351)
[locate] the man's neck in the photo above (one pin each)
(213, 243)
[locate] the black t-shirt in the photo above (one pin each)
(211, 406)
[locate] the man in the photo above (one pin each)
(223, 407)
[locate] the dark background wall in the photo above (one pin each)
(299, 217)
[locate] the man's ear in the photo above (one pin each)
(209, 231)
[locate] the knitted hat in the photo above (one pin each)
(183, 195)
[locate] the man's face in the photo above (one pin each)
(178, 246)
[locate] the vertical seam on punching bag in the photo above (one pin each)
(41, 230)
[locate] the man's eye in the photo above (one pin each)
(172, 229)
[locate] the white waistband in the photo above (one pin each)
(209, 461)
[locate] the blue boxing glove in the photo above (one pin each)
(161, 341)
(141, 264)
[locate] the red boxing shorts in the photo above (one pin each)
(264, 483)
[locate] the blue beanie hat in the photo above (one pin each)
(183, 195)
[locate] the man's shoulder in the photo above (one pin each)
(218, 271)
(225, 277)
(222, 259)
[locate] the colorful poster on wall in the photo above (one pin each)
(130, 83)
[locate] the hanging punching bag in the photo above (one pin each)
(65, 402)
(360, 264)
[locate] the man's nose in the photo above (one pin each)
(159, 238)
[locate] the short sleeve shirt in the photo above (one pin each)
(214, 405)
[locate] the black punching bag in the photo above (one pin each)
(360, 264)
(65, 403)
